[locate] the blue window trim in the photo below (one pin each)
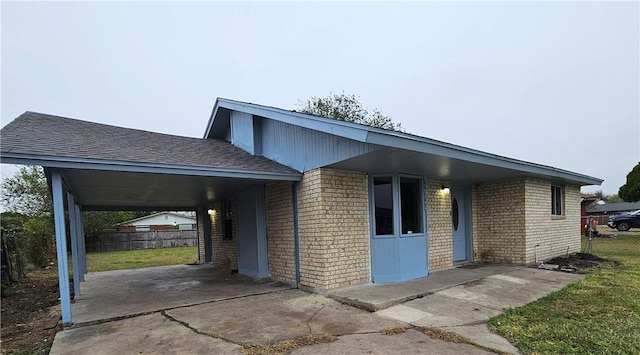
(397, 213)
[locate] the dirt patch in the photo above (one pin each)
(30, 313)
(579, 261)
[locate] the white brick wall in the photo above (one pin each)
(333, 209)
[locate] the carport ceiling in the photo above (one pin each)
(113, 190)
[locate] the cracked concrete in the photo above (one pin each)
(226, 313)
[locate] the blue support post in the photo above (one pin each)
(61, 247)
(81, 247)
(73, 230)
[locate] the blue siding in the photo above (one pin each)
(242, 131)
(385, 260)
(413, 257)
(304, 149)
(252, 232)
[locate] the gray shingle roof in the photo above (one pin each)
(46, 135)
(615, 207)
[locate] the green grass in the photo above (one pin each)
(598, 315)
(140, 258)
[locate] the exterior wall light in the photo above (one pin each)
(445, 190)
(211, 212)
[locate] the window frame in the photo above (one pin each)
(397, 205)
(557, 192)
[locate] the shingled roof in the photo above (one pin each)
(42, 135)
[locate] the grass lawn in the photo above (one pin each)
(598, 315)
(140, 258)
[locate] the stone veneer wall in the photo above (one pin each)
(333, 219)
(440, 237)
(225, 251)
(553, 235)
(280, 237)
(498, 220)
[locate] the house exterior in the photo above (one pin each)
(312, 201)
(614, 208)
(158, 221)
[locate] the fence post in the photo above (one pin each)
(590, 234)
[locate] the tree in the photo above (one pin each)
(348, 108)
(630, 191)
(27, 192)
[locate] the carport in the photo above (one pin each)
(92, 166)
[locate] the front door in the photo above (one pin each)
(459, 225)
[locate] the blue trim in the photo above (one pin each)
(123, 166)
(73, 231)
(367, 134)
(296, 234)
(61, 247)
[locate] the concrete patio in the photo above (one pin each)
(199, 309)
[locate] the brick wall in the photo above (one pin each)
(553, 235)
(440, 237)
(225, 251)
(201, 217)
(333, 210)
(498, 219)
(280, 237)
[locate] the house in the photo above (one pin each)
(312, 201)
(610, 209)
(158, 221)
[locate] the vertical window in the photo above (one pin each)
(557, 203)
(227, 220)
(410, 205)
(383, 197)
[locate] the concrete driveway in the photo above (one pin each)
(228, 313)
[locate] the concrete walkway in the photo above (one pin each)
(198, 309)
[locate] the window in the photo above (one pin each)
(383, 197)
(410, 205)
(397, 200)
(227, 219)
(557, 203)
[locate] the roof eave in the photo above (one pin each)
(135, 167)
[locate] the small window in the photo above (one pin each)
(557, 200)
(227, 220)
(410, 205)
(383, 197)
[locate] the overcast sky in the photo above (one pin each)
(547, 82)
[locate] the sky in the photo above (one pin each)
(554, 83)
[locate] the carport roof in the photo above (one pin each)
(109, 167)
(53, 138)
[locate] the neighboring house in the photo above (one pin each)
(610, 209)
(158, 221)
(312, 201)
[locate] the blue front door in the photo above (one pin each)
(398, 235)
(459, 225)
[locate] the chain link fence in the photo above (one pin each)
(24, 252)
(606, 242)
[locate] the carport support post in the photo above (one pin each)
(81, 247)
(73, 230)
(61, 247)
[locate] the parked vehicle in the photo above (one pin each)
(624, 222)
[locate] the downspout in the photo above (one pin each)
(296, 236)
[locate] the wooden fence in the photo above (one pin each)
(143, 240)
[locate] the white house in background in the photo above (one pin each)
(159, 221)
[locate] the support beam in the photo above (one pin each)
(81, 246)
(61, 246)
(73, 230)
